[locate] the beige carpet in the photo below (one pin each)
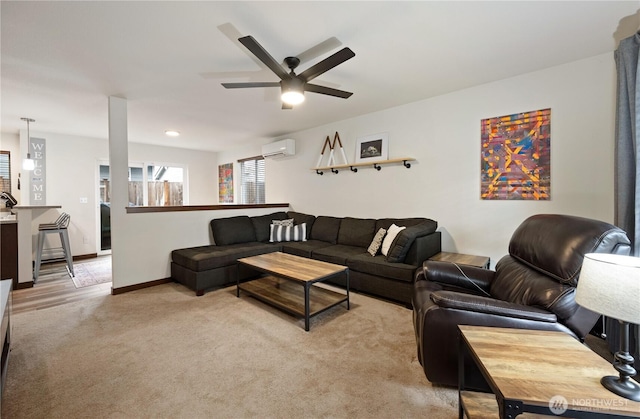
(162, 352)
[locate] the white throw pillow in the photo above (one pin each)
(390, 237)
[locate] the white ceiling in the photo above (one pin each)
(61, 60)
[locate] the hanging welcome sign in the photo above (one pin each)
(38, 195)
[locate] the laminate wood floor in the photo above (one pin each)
(56, 289)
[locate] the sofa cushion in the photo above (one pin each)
(285, 233)
(326, 229)
(405, 239)
(299, 218)
(232, 230)
(378, 266)
(338, 253)
(304, 249)
(356, 231)
(203, 258)
(261, 224)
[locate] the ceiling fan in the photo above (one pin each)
(291, 84)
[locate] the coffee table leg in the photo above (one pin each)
(348, 303)
(462, 348)
(238, 280)
(307, 287)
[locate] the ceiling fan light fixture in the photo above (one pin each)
(292, 91)
(292, 97)
(292, 86)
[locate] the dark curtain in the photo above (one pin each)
(627, 158)
(627, 161)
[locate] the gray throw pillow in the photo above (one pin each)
(374, 247)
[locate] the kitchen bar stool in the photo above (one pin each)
(56, 253)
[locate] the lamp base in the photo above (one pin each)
(624, 387)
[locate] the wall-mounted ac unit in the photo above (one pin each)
(280, 148)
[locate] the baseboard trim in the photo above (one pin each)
(87, 256)
(73, 258)
(129, 288)
(23, 285)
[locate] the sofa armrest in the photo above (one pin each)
(423, 248)
(479, 304)
(461, 276)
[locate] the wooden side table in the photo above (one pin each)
(535, 373)
(460, 259)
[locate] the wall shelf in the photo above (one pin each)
(354, 166)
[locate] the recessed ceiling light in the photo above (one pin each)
(171, 133)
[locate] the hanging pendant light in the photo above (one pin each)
(28, 163)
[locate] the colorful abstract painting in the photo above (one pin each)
(225, 183)
(516, 156)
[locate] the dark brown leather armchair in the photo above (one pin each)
(533, 287)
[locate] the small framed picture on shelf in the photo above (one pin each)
(372, 148)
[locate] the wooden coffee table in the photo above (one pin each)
(288, 284)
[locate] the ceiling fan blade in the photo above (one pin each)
(326, 91)
(251, 84)
(327, 64)
(286, 106)
(262, 54)
(322, 48)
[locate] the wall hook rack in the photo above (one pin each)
(354, 166)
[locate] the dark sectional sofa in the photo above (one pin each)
(343, 241)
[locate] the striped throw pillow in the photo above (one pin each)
(280, 233)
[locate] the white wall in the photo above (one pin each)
(72, 170)
(443, 134)
(146, 252)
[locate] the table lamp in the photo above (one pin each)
(610, 285)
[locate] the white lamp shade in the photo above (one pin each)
(610, 285)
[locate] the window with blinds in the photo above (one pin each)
(252, 180)
(5, 171)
